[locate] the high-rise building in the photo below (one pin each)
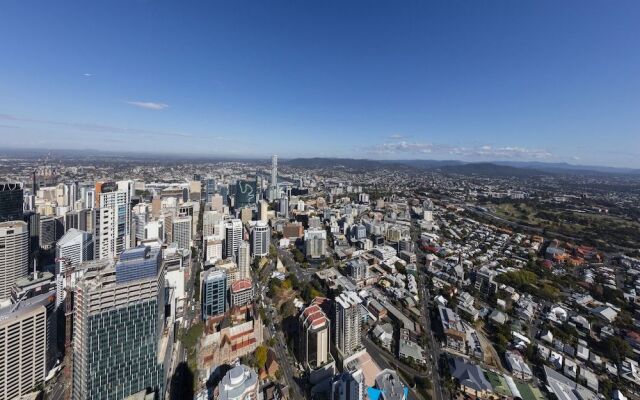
(51, 229)
(113, 223)
(284, 207)
(214, 293)
(388, 386)
(427, 210)
(212, 223)
(23, 346)
(14, 255)
(11, 202)
(239, 383)
(233, 237)
(263, 210)
(348, 319)
(274, 171)
(244, 261)
(213, 248)
(246, 215)
(209, 189)
(315, 243)
(314, 336)
(118, 320)
(260, 239)
(241, 292)
(140, 215)
(81, 219)
(74, 248)
(246, 193)
(348, 386)
(182, 232)
(104, 236)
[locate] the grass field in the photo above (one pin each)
(595, 228)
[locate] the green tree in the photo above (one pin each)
(261, 356)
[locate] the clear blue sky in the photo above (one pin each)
(472, 80)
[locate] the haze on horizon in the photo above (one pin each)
(474, 81)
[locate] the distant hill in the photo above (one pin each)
(348, 163)
(492, 170)
(567, 168)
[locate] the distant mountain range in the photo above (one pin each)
(493, 168)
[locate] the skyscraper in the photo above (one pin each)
(14, 255)
(263, 210)
(244, 260)
(74, 248)
(260, 239)
(23, 347)
(347, 322)
(246, 194)
(284, 207)
(113, 223)
(117, 324)
(314, 337)
(233, 237)
(348, 386)
(11, 201)
(211, 223)
(274, 171)
(315, 243)
(214, 293)
(182, 232)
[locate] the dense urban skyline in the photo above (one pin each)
(542, 81)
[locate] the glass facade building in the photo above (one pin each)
(138, 263)
(214, 293)
(11, 202)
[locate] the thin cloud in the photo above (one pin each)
(397, 136)
(148, 105)
(88, 75)
(97, 128)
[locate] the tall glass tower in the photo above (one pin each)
(118, 320)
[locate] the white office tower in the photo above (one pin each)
(239, 383)
(427, 209)
(23, 347)
(14, 255)
(273, 186)
(212, 223)
(274, 171)
(140, 215)
(213, 248)
(113, 224)
(284, 207)
(104, 234)
(244, 260)
(260, 239)
(128, 187)
(154, 230)
(263, 210)
(233, 237)
(74, 248)
(182, 232)
(90, 198)
(315, 243)
(348, 319)
(348, 386)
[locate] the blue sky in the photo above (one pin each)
(472, 80)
